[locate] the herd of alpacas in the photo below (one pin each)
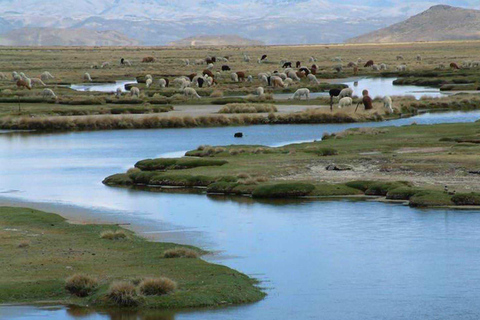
(287, 76)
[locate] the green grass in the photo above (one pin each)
(284, 190)
(176, 164)
(59, 249)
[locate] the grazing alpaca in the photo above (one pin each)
(303, 92)
(148, 60)
(191, 76)
(208, 73)
(163, 83)
(37, 81)
(333, 93)
(48, 93)
(399, 58)
(226, 68)
(287, 65)
(345, 102)
(200, 82)
(454, 66)
(250, 79)
(304, 70)
(234, 77)
(134, 91)
(23, 84)
(347, 92)
(260, 91)
(300, 74)
(366, 100)
(314, 69)
(190, 92)
(277, 82)
(87, 77)
(312, 79)
(387, 104)
(369, 63)
(263, 57)
(46, 76)
(298, 64)
(148, 83)
(241, 75)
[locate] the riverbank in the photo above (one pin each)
(427, 165)
(44, 249)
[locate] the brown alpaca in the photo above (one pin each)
(148, 59)
(366, 100)
(453, 65)
(208, 72)
(369, 63)
(23, 84)
(241, 75)
(298, 64)
(355, 70)
(314, 69)
(191, 76)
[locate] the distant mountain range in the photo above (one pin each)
(438, 23)
(64, 37)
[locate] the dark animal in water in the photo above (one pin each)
(148, 60)
(298, 64)
(241, 75)
(287, 65)
(191, 76)
(263, 57)
(453, 65)
(226, 68)
(369, 63)
(333, 93)
(200, 82)
(305, 70)
(238, 135)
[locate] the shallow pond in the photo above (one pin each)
(102, 87)
(328, 259)
(377, 87)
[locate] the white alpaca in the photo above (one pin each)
(402, 67)
(37, 81)
(261, 74)
(135, 92)
(250, 78)
(288, 82)
(48, 93)
(347, 92)
(234, 77)
(118, 93)
(210, 66)
(190, 92)
(46, 76)
(399, 57)
(3, 76)
(264, 80)
(303, 92)
(293, 75)
(282, 75)
(148, 83)
(105, 65)
(127, 63)
(162, 83)
(345, 102)
(87, 77)
(199, 61)
(313, 79)
(383, 66)
(148, 76)
(246, 58)
(387, 103)
(375, 67)
(185, 84)
(312, 59)
(260, 91)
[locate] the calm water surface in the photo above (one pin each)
(328, 260)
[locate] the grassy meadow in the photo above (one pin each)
(68, 65)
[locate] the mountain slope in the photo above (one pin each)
(438, 23)
(64, 37)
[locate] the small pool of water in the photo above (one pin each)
(377, 87)
(102, 87)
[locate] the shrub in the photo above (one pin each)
(359, 185)
(248, 108)
(323, 151)
(430, 199)
(283, 190)
(81, 285)
(180, 253)
(123, 294)
(113, 235)
(466, 199)
(120, 179)
(381, 188)
(157, 286)
(174, 163)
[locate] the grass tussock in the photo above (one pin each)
(123, 294)
(81, 285)
(283, 190)
(181, 253)
(248, 108)
(113, 235)
(157, 286)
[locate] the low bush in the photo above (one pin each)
(113, 235)
(359, 184)
(123, 294)
(382, 188)
(402, 193)
(430, 199)
(120, 179)
(157, 286)
(466, 199)
(80, 285)
(283, 190)
(180, 253)
(174, 163)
